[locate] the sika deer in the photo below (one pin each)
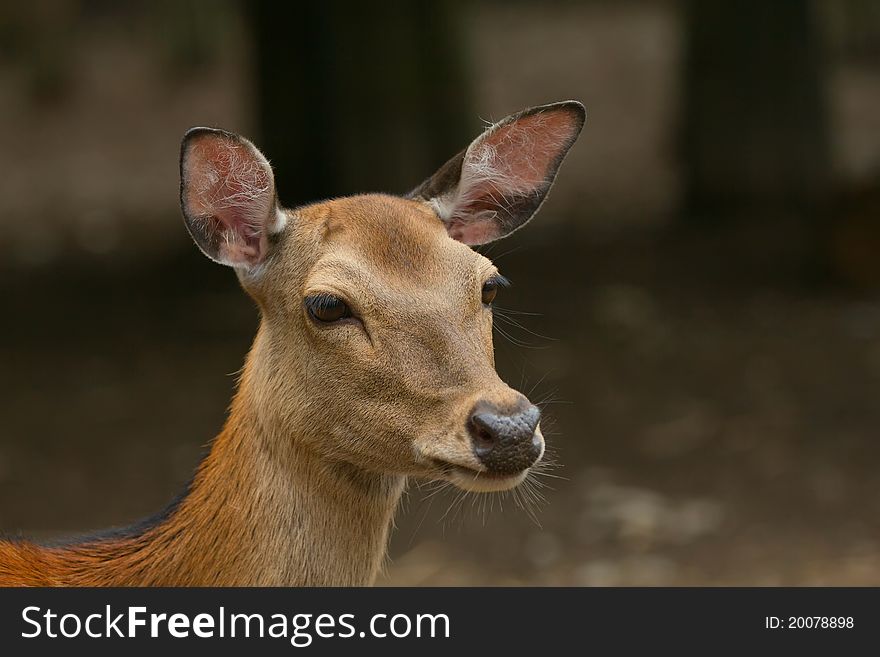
(373, 363)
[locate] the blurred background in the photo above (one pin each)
(697, 303)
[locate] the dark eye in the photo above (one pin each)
(490, 288)
(326, 308)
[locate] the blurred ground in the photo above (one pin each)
(713, 414)
(706, 432)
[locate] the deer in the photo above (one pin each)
(373, 364)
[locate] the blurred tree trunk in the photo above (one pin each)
(755, 132)
(358, 96)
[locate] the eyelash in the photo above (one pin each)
(490, 289)
(322, 301)
(499, 280)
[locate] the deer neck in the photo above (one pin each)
(263, 510)
(288, 518)
(327, 520)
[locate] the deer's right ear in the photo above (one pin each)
(227, 194)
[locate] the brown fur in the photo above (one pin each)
(282, 499)
(301, 486)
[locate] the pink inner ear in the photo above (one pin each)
(518, 157)
(229, 185)
(472, 233)
(511, 161)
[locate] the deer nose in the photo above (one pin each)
(506, 443)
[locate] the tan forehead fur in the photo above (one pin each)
(398, 238)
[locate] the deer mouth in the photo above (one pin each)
(479, 481)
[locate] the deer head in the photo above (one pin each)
(375, 347)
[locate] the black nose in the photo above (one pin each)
(505, 442)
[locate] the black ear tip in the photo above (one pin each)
(199, 131)
(573, 107)
(207, 130)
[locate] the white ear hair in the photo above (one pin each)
(498, 183)
(481, 167)
(228, 197)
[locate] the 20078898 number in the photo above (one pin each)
(809, 622)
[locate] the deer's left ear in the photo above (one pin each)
(227, 194)
(498, 183)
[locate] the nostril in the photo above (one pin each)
(483, 437)
(530, 418)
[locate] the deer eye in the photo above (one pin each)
(326, 308)
(490, 288)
